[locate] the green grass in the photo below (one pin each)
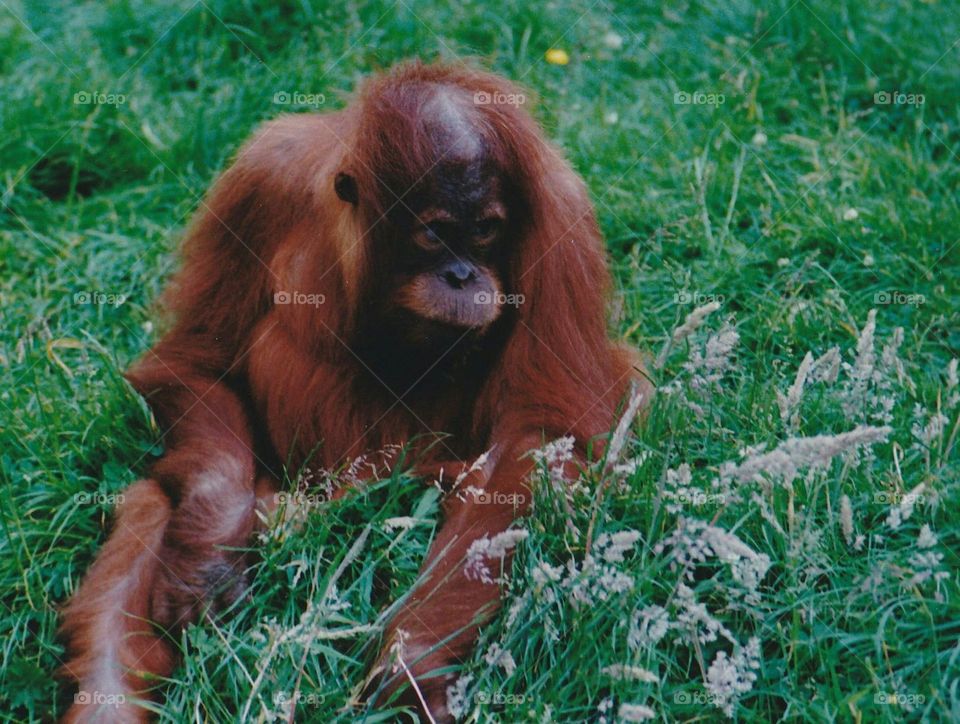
(94, 199)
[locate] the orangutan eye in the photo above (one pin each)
(430, 237)
(487, 229)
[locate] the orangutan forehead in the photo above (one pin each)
(452, 123)
(438, 150)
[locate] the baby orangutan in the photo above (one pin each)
(421, 262)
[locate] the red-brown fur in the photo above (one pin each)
(240, 383)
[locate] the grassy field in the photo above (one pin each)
(789, 169)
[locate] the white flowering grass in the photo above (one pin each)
(716, 561)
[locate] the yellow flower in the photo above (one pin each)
(557, 56)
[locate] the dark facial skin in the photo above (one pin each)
(439, 261)
(450, 275)
(439, 258)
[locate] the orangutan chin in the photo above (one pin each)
(421, 262)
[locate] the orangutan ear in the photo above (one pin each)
(346, 187)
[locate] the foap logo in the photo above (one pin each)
(698, 498)
(893, 497)
(483, 98)
(300, 500)
(896, 98)
(99, 698)
(896, 297)
(908, 701)
(110, 299)
(698, 98)
(496, 497)
(98, 498)
(499, 698)
(282, 698)
(696, 298)
(696, 697)
(499, 298)
(296, 98)
(97, 98)
(301, 298)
